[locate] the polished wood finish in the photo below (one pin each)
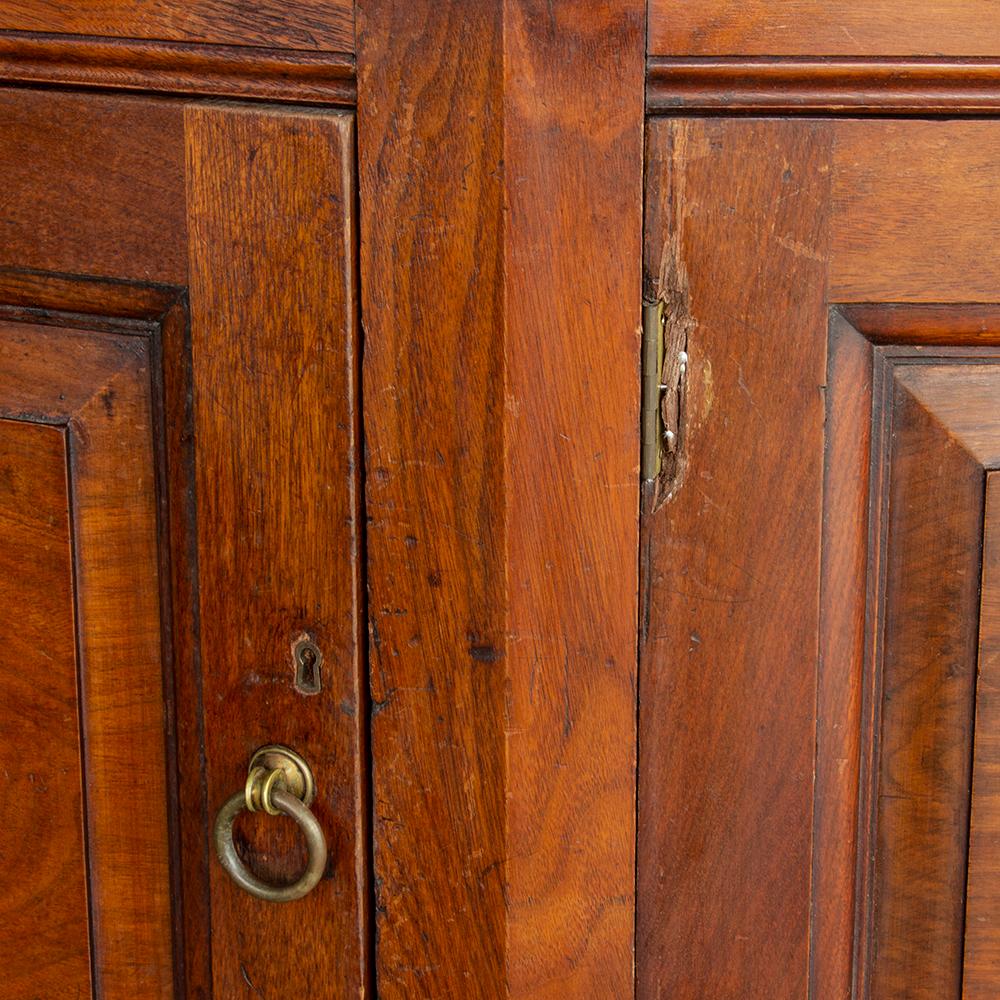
(811, 577)
(178, 68)
(500, 405)
(824, 28)
(98, 387)
(827, 85)
(326, 25)
(43, 880)
(274, 350)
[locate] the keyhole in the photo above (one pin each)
(308, 660)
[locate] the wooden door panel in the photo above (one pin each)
(104, 601)
(813, 560)
(216, 242)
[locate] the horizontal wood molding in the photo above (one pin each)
(178, 68)
(790, 85)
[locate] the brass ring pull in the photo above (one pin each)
(278, 781)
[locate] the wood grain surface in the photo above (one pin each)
(43, 865)
(178, 67)
(818, 28)
(274, 350)
(99, 386)
(881, 226)
(926, 658)
(981, 969)
(804, 256)
(501, 399)
(298, 24)
(727, 679)
(93, 185)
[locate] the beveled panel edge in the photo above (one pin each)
(819, 86)
(178, 68)
(866, 341)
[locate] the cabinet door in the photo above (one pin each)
(179, 519)
(818, 771)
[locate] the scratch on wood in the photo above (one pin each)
(674, 293)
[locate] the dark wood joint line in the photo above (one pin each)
(250, 72)
(820, 86)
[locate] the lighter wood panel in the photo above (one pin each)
(885, 243)
(43, 861)
(274, 345)
(298, 24)
(982, 916)
(824, 27)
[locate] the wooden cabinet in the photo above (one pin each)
(322, 332)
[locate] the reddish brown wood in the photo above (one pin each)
(43, 872)
(500, 388)
(571, 509)
(179, 67)
(432, 265)
(94, 185)
(804, 85)
(926, 656)
(823, 27)
(298, 24)
(755, 231)
(728, 691)
(881, 226)
(99, 387)
(272, 431)
(274, 349)
(982, 949)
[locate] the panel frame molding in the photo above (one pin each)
(157, 316)
(806, 85)
(866, 343)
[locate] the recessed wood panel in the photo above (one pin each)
(43, 856)
(99, 387)
(299, 24)
(818, 28)
(982, 944)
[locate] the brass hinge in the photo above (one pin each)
(652, 371)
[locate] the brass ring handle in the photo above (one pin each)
(279, 781)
